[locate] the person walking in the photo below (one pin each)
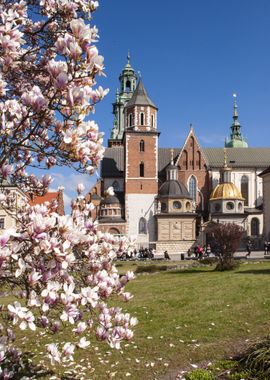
(248, 249)
(265, 247)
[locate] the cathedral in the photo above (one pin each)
(164, 197)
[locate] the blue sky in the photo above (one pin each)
(193, 55)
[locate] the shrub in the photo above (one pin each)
(199, 374)
(224, 265)
(256, 359)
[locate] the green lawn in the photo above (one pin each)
(185, 317)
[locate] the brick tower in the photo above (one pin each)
(141, 169)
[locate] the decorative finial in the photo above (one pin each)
(190, 126)
(128, 57)
(172, 155)
(140, 74)
(235, 113)
(225, 157)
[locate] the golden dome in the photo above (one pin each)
(226, 191)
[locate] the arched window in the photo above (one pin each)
(192, 187)
(141, 146)
(114, 231)
(244, 189)
(141, 169)
(142, 118)
(116, 186)
(128, 86)
(142, 226)
(255, 227)
(152, 121)
(130, 120)
(198, 161)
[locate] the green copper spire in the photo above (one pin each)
(128, 84)
(236, 139)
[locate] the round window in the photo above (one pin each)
(177, 205)
(230, 206)
(163, 207)
(217, 207)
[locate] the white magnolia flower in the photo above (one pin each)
(83, 343)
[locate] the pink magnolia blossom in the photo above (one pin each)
(62, 266)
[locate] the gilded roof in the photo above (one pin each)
(226, 191)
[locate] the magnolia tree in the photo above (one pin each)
(59, 267)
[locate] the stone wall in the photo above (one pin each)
(174, 247)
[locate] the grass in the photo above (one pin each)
(185, 317)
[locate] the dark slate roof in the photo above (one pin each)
(140, 97)
(174, 189)
(266, 171)
(113, 161)
(112, 164)
(239, 157)
(113, 199)
(164, 157)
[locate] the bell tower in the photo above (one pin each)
(141, 165)
(128, 82)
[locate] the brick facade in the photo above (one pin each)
(192, 162)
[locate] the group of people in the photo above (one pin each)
(141, 254)
(200, 251)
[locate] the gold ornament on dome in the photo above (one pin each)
(226, 191)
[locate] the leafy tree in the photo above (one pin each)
(60, 266)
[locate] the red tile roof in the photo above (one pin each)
(49, 197)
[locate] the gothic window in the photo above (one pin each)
(116, 186)
(2, 223)
(192, 187)
(142, 118)
(142, 226)
(141, 146)
(244, 189)
(130, 120)
(141, 169)
(255, 230)
(185, 159)
(191, 141)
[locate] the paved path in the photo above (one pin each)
(255, 255)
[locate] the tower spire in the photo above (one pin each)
(128, 57)
(236, 139)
